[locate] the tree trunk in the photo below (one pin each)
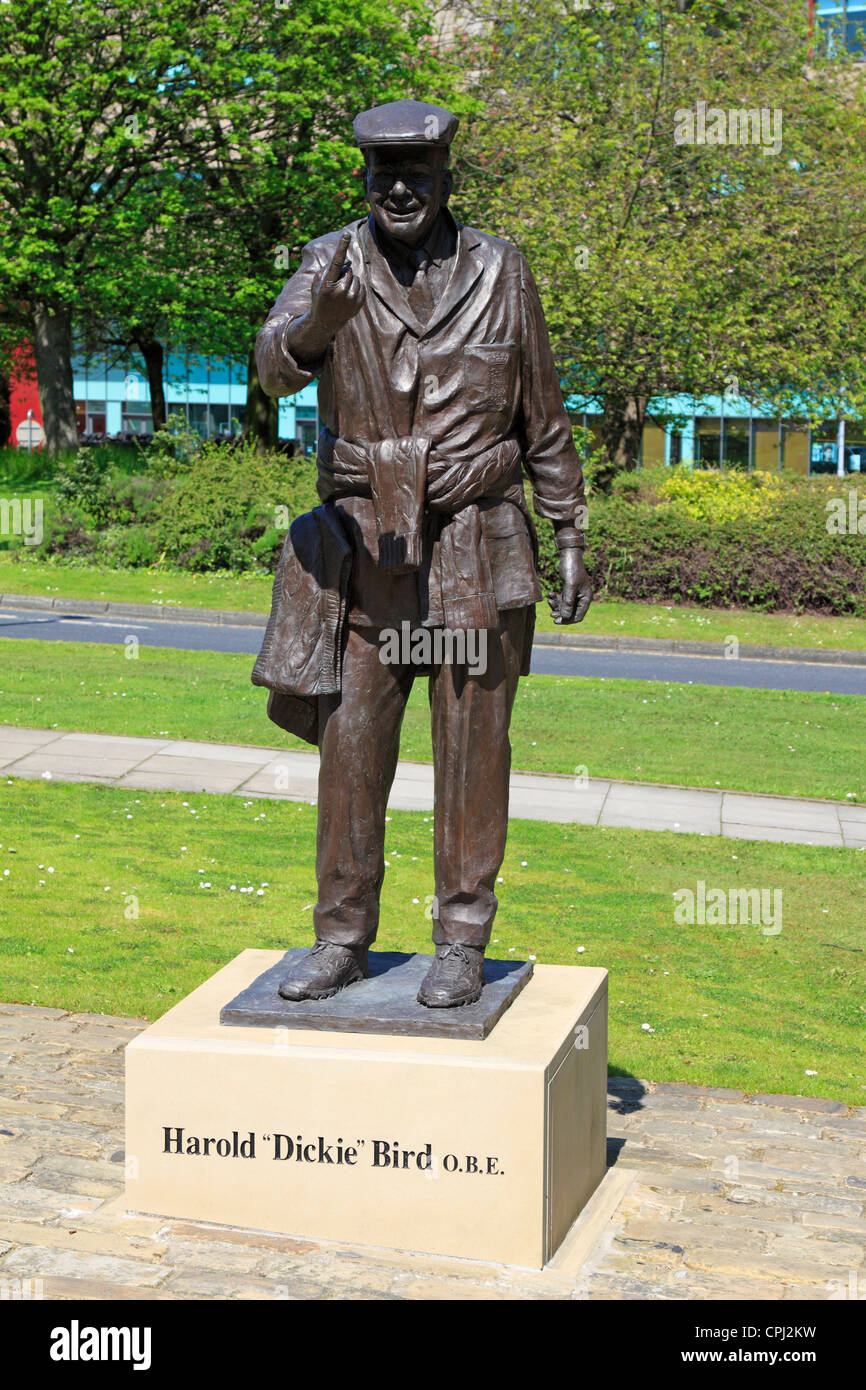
(5, 409)
(52, 349)
(154, 360)
(262, 414)
(621, 430)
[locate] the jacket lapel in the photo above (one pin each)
(384, 285)
(466, 270)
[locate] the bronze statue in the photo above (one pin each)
(436, 384)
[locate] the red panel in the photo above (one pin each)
(24, 393)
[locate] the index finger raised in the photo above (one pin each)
(339, 258)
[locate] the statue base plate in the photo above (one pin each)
(482, 1149)
(384, 1003)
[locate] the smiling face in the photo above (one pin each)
(406, 185)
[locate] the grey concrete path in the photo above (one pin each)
(179, 765)
(710, 1194)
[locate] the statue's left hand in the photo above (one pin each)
(570, 605)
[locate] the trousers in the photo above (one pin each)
(359, 740)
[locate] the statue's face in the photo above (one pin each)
(406, 186)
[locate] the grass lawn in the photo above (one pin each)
(623, 619)
(252, 594)
(122, 902)
(249, 593)
(785, 742)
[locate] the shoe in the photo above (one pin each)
(456, 977)
(324, 971)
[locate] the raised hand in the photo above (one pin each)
(337, 294)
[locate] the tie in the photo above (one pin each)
(420, 295)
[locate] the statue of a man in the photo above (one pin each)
(436, 386)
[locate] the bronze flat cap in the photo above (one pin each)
(405, 123)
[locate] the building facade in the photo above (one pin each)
(727, 432)
(210, 393)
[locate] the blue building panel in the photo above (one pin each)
(211, 393)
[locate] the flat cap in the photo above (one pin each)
(405, 123)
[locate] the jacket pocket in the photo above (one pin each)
(489, 375)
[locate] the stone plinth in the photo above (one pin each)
(486, 1149)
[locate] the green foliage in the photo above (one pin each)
(83, 482)
(18, 467)
(224, 500)
(223, 508)
(173, 446)
(130, 547)
(750, 542)
(756, 541)
(670, 266)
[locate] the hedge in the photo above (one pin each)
(663, 536)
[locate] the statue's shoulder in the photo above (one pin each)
(492, 247)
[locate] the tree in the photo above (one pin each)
(157, 281)
(680, 244)
(94, 97)
(286, 168)
(232, 119)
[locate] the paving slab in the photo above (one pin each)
(628, 793)
(12, 752)
(280, 781)
(223, 768)
(780, 811)
(107, 745)
(68, 765)
(11, 733)
(227, 752)
(178, 782)
(782, 834)
(673, 820)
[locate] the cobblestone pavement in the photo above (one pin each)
(719, 1195)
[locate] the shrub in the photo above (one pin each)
(784, 561)
(67, 531)
(227, 500)
(722, 497)
(128, 547)
(661, 535)
(83, 482)
(750, 541)
(135, 499)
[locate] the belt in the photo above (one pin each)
(427, 514)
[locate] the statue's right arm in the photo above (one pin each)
(281, 373)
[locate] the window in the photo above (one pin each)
(209, 420)
(90, 417)
(136, 419)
